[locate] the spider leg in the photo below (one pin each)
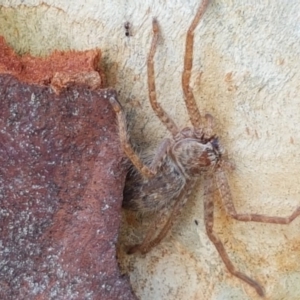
(160, 154)
(132, 186)
(209, 125)
(161, 114)
(209, 221)
(150, 233)
(192, 108)
(125, 144)
(226, 197)
(147, 243)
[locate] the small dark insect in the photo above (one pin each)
(163, 186)
(196, 222)
(127, 27)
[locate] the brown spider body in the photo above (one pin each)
(185, 159)
(150, 195)
(163, 185)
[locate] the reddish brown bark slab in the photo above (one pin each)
(61, 183)
(60, 69)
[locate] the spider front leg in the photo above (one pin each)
(209, 222)
(149, 243)
(192, 108)
(161, 114)
(125, 144)
(162, 150)
(226, 197)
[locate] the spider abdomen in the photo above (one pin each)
(148, 195)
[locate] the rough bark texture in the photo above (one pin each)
(246, 74)
(61, 182)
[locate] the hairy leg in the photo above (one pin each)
(160, 154)
(161, 114)
(226, 197)
(192, 108)
(161, 151)
(209, 219)
(159, 220)
(149, 243)
(125, 144)
(209, 125)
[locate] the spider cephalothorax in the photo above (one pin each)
(163, 185)
(194, 157)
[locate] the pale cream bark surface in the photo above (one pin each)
(249, 54)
